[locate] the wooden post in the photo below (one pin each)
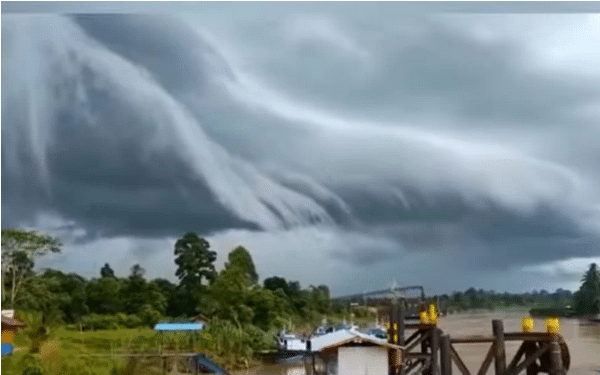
(499, 350)
(401, 327)
(394, 324)
(425, 345)
(556, 365)
(446, 358)
(435, 345)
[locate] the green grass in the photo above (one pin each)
(68, 352)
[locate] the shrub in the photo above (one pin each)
(32, 370)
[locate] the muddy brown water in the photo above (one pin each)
(583, 340)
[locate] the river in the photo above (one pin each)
(582, 339)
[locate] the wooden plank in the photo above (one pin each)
(499, 349)
(424, 335)
(424, 366)
(459, 362)
(446, 357)
(528, 336)
(417, 355)
(530, 359)
(487, 361)
(516, 358)
(556, 365)
(471, 339)
(412, 337)
(435, 346)
(401, 328)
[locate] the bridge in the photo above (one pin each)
(391, 293)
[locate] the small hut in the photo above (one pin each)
(9, 327)
(351, 352)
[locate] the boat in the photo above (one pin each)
(594, 318)
(290, 343)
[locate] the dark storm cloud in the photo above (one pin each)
(430, 6)
(425, 68)
(177, 57)
(138, 127)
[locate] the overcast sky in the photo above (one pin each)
(348, 144)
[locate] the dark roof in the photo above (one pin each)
(10, 322)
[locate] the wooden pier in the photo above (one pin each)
(430, 351)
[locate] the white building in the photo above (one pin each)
(352, 353)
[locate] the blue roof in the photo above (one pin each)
(179, 327)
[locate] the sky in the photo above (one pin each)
(449, 145)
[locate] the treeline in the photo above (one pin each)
(585, 301)
(490, 300)
(231, 300)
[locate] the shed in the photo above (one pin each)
(9, 327)
(351, 352)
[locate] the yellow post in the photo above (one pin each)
(433, 315)
(528, 324)
(552, 325)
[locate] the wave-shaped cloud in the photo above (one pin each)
(131, 125)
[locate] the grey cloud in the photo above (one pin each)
(147, 131)
(434, 70)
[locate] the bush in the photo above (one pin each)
(149, 316)
(32, 370)
(120, 320)
(95, 321)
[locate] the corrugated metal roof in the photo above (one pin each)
(179, 327)
(343, 337)
(6, 321)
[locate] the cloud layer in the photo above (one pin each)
(360, 143)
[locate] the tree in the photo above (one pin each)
(20, 248)
(137, 272)
(104, 295)
(233, 288)
(195, 262)
(106, 271)
(587, 298)
(273, 283)
(240, 257)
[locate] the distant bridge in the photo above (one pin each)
(392, 293)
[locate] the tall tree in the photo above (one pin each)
(137, 272)
(233, 289)
(20, 248)
(587, 298)
(195, 268)
(106, 271)
(240, 257)
(195, 261)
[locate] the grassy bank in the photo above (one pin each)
(68, 352)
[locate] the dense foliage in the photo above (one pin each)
(243, 316)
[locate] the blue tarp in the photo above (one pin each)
(179, 327)
(7, 349)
